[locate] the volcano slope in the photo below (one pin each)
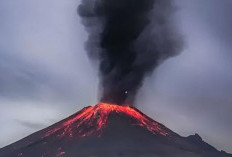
(107, 130)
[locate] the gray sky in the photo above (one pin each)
(45, 74)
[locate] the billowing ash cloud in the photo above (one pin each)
(129, 38)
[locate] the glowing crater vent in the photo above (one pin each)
(92, 120)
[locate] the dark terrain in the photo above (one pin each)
(110, 131)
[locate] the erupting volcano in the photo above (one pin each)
(129, 38)
(109, 130)
(96, 119)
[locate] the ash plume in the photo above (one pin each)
(129, 39)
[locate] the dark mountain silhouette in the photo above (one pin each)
(108, 130)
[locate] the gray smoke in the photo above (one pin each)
(129, 38)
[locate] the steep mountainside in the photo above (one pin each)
(107, 130)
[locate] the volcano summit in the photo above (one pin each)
(107, 130)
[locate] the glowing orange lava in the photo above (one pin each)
(92, 120)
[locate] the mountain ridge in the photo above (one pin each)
(109, 130)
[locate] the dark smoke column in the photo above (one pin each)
(129, 38)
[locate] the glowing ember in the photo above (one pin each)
(92, 120)
(60, 153)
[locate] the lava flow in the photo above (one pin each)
(92, 120)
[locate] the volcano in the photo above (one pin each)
(107, 130)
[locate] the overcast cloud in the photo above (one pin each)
(45, 74)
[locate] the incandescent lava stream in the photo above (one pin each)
(96, 117)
